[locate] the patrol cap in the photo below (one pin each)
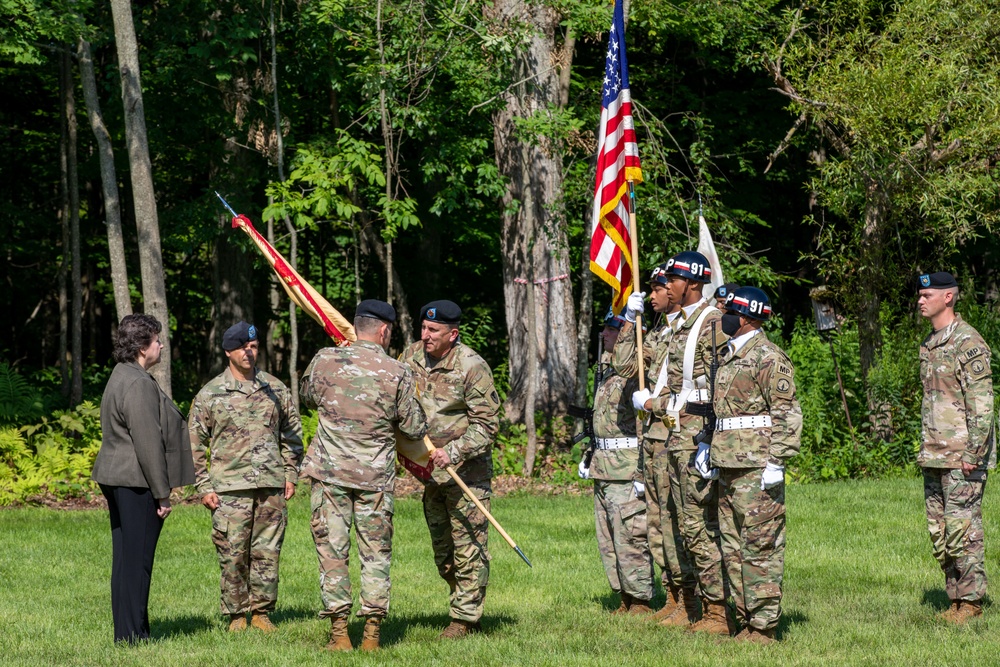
(379, 310)
(939, 280)
(749, 302)
(238, 335)
(444, 311)
(722, 291)
(691, 265)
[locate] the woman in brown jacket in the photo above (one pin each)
(144, 453)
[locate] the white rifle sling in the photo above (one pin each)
(689, 383)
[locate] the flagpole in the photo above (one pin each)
(634, 236)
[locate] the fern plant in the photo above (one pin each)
(19, 401)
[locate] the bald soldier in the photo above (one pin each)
(455, 388)
(246, 442)
(958, 443)
(362, 395)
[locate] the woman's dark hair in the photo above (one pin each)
(135, 332)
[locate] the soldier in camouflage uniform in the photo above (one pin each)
(362, 395)
(683, 400)
(663, 519)
(455, 388)
(958, 443)
(244, 420)
(620, 513)
(759, 428)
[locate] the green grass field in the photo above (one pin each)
(861, 588)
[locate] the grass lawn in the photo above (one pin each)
(861, 588)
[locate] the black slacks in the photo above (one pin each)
(135, 529)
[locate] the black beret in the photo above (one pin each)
(939, 280)
(238, 335)
(722, 291)
(446, 312)
(379, 310)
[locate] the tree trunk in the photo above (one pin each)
(531, 391)
(233, 292)
(870, 287)
(532, 208)
(109, 183)
(293, 351)
(76, 272)
(64, 215)
(273, 360)
(402, 305)
(584, 327)
(154, 290)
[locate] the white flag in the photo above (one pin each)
(707, 248)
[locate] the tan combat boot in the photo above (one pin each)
(459, 629)
(755, 636)
(339, 641)
(260, 621)
(370, 641)
(713, 620)
(624, 606)
(686, 611)
(673, 598)
(967, 611)
(639, 608)
(950, 613)
(237, 622)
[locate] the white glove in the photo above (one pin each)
(640, 397)
(634, 305)
(640, 489)
(701, 462)
(583, 471)
(773, 476)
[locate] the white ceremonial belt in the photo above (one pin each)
(693, 396)
(617, 443)
(749, 421)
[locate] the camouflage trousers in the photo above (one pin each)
(676, 561)
(698, 501)
(334, 509)
(459, 533)
(248, 528)
(753, 544)
(621, 538)
(955, 520)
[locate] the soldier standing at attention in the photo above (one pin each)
(362, 395)
(663, 519)
(759, 427)
(246, 421)
(958, 443)
(455, 388)
(685, 401)
(620, 513)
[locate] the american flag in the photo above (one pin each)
(617, 163)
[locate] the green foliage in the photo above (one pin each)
(310, 421)
(19, 400)
(54, 456)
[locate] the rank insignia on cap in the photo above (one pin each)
(925, 280)
(431, 313)
(252, 332)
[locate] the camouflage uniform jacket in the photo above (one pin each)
(676, 344)
(361, 394)
(958, 399)
(625, 364)
(757, 380)
(462, 407)
(614, 417)
(252, 432)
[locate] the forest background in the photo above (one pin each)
(413, 150)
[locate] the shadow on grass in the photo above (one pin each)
(284, 614)
(789, 619)
(609, 601)
(394, 628)
(936, 598)
(180, 625)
